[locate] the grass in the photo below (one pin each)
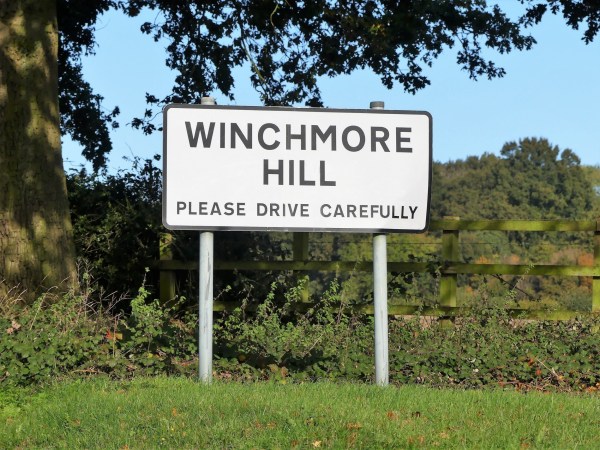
(181, 413)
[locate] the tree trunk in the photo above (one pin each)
(36, 246)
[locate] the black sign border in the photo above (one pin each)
(294, 229)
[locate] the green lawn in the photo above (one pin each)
(180, 413)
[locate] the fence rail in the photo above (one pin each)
(450, 266)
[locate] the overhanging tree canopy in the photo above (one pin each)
(290, 44)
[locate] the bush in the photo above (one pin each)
(76, 335)
(320, 341)
(155, 339)
(489, 348)
(51, 337)
(117, 223)
(283, 339)
(117, 230)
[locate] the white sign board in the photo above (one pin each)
(303, 169)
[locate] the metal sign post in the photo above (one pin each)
(205, 307)
(380, 300)
(205, 297)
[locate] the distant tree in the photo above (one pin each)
(544, 182)
(593, 174)
(531, 179)
(470, 188)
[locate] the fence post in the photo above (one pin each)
(300, 253)
(449, 254)
(596, 279)
(167, 277)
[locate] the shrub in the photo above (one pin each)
(487, 347)
(289, 338)
(283, 339)
(155, 339)
(48, 338)
(117, 229)
(116, 223)
(76, 335)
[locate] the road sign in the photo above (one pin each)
(297, 169)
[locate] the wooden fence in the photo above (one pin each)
(450, 266)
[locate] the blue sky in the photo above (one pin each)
(552, 91)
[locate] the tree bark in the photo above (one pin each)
(36, 242)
